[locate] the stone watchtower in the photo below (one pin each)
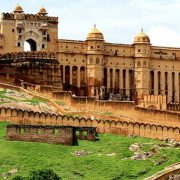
(95, 51)
(39, 30)
(142, 63)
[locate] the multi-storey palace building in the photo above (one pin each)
(94, 67)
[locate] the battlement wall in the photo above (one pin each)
(121, 127)
(32, 17)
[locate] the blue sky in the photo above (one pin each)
(119, 20)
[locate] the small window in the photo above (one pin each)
(97, 60)
(39, 131)
(139, 50)
(66, 46)
(12, 30)
(98, 46)
(56, 131)
(48, 37)
(44, 33)
(22, 130)
(91, 47)
(43, 46)
(19, 44)
(19, 31)
(116, 52)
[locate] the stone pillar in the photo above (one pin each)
(108, 79)
(85, 74)
(176, 86)
(78, 81)
(127, 82)
(78, 77)
(113, 79)
(155, 82)
(64, 74)
(70, 72)
(162, 83)
(169, 99)
(121, 81)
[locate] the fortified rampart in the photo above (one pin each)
(66, 135)
(150, 130)
(49, 134)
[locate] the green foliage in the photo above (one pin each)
(4, 96)
(46, 174)
(18, 178)
(35, 101)
(27, 156)
(73, 115)
(60, 103)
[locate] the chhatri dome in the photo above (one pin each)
(95, 34)
(142, 38)
(18, 9)
(42, 11)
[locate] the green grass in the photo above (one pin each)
(26, 156)
(3, 96)
(60, 103)
(35, 101)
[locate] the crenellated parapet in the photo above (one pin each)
(29, 54)
(121, 127)
(154, 102)
(32, 17)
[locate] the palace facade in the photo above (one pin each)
(94, 67)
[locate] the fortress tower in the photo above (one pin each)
(95, 57)
(39, 30)
(142, 63)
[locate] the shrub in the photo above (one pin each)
(46, 174)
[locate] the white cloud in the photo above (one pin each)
(164, 36)
(119, 20)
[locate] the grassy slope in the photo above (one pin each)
(27, 156)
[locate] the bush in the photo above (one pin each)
(46, 174)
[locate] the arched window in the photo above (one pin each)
(138, 64)
(97, 60)
(144, 64)
(91, 60)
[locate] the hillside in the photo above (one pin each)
(107, 158)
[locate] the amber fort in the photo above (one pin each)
(138, 82)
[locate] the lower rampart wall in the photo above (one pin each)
(150, 130)
(53, 135)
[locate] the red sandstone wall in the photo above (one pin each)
(63, 136)
(103, 126)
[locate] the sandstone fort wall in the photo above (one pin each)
(49, 134)
(154, 131)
